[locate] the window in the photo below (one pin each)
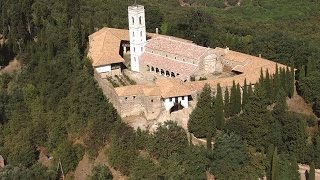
(133, 33)
(132, 20)
(151, 100)
(182, 97)
(134, 49)
(141, 33)
(141, 49)
(126, 98)
(140, 20)
(134, 97)
(135, 59)
(170, 99)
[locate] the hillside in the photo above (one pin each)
(53, 102)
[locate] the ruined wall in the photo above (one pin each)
(108, 91)
(132, 105)
(154, 106)
(148, 106)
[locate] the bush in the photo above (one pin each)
(100, 172)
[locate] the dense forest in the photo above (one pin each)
(54, 102)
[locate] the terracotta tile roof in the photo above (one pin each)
(184, 69)
(105, 46)
(163, 87)
(173, 88)
(173, 46)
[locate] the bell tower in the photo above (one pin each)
(137, 30)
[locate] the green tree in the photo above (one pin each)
(309, 87)
(100, 172)
(267, 86)
(238, 99)
(144, 168)
(316, 106)
(302, 73)
(168, 139)
(312, 172)
(218, 108)
(231, 158)
(233, 100)
(294, 134)
(287, 167)
(274, 165)
(269, 160)
(317, 152)
(227, 103)
(67, 154)
(122, 152)
(202, 120)
(245, 93)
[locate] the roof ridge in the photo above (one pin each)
(170, 58)
(172, 39)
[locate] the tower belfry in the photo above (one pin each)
(137, 30)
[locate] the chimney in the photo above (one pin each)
(259, 55)
(226, 50)
(157, 30)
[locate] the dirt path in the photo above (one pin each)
(11, 67)
(297, 104)
(86, 165)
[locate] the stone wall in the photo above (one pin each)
(148, 106)
(108, 91)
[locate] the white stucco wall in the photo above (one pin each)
(103, 69)
(169, 102)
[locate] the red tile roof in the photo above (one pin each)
(184, 69)
(173, 46)
(105, 46)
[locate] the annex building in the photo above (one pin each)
(176, 60)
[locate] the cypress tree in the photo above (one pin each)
(292, 80)
(244, 93)
(267, 85)
(227, 103)
(261, 79)
(269, 155)
(201, 120)
(218, 108)
(312, 172)
(284, 80)
(233, 99)
(250, 91)
(288, 81)
(302, 73)
(274, 166)
(238, 99)
(276, 83)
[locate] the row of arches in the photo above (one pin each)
(162, 71)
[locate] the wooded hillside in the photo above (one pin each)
(54, 102)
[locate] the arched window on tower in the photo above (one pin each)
(132, 20)
(140, 33)
(140, 20)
